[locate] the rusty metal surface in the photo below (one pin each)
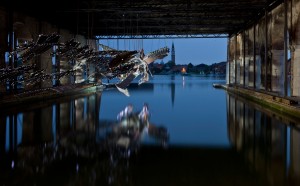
(145, 18)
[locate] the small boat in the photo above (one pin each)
(216, 85)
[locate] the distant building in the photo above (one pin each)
(178, 68)
(173, 53)
(159, 66)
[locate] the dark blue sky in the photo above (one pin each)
(187, 50)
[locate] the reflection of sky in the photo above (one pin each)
(198, 116)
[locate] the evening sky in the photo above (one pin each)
(187, 50)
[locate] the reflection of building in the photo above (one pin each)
(270, 146)
(173, 53)
(48, 123)
(173, 93)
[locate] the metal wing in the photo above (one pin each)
(157, 54)
(107, 48)
(123, 84)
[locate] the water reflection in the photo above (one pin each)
(41, 141)
(68, 143)
(194, 114)
(197, 135)
(270, 145)
(172, 84)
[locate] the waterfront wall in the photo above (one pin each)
(266, 55)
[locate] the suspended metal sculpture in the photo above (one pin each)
(32, 49)
(109, 63)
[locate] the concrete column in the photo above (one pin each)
(90, 66)
(227, 73)
(46, 65)
(285, 45)
(242, 61)
(296, 72)
(238, 72)
(232, 72)
(266, 60)
(277, 50)
(3, 43)
(227, 63)
(277, 71)
(251, 72)
(254, 56)
(81, 76)
(258, 72)
(247, 59)
(235, 57)
(45, 59)
(26, 31)
(64, 63)
(295, 42)
(243, 56)
(260, 51)
(291, 63)
(3, 38)
(231, 60)
(238, 58)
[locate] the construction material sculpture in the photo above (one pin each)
(28, 73)
(127, 65)
(110, 63)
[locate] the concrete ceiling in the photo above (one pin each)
(148, 18)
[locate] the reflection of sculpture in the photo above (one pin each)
(144, 114)
(94, 148)
(131, 126)
(126, 112)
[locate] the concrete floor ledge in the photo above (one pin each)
(46, 95)
(284, 106)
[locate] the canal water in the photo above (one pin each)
(195, 135)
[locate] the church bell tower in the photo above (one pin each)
(173, 53)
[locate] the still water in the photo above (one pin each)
(214, 138)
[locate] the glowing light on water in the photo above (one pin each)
(77, 167)
(12, 164)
